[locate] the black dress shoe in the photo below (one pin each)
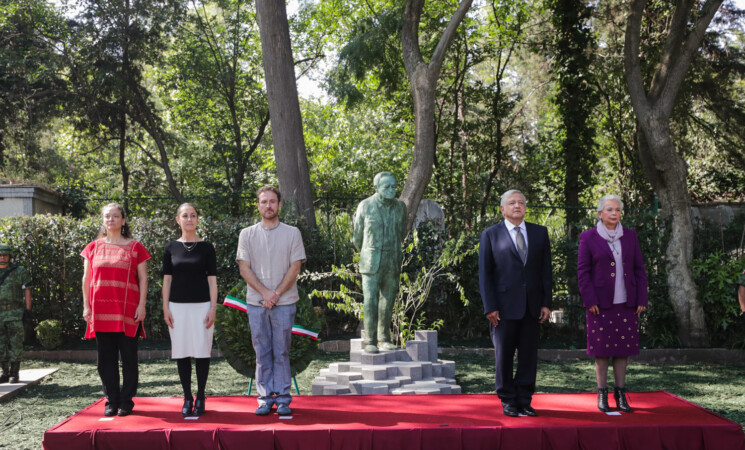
(528, 411)
(188, 406)
(510, 410)
(123, 412)
(109, 411)
(199, 407)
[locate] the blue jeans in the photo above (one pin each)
(271, 335)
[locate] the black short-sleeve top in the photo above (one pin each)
(189, 263)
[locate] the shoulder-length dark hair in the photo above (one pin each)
(125, 228)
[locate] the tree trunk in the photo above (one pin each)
(284, 108)
(670, 185)
(420, 171)
(663, 165)
(423, 79)
(122, 160)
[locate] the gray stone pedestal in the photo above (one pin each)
(413, 370)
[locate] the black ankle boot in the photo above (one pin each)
(620, 394)
(5, 376)
(199, 406)
(603, 399)
(15, 367)
(188, 406)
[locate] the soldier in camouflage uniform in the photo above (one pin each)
(741, 294)
(15, 300)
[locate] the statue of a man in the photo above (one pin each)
(379, 227)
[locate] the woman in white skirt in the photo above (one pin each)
(190, 304)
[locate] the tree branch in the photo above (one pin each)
(687, 53)
(439, 54)
(632, 66)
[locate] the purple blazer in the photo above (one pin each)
(596, 270)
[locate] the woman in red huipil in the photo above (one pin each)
(114, 295)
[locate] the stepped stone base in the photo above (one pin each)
(413, 370)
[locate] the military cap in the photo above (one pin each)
(5, 249)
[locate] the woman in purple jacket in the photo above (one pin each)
(613, 285)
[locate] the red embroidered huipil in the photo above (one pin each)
(114, 291)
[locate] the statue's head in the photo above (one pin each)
(385, 185)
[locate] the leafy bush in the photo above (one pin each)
(49, 333)
(715, 278)
(49, 247)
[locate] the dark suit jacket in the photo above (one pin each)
(596, 270)
(506, 285)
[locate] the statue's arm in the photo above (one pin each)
(402, 221)
(358, 227)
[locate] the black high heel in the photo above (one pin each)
(199, 406)
(620, 394)
(188, 406)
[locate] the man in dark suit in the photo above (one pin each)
(515, 281)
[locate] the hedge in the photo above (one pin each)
(49, 247)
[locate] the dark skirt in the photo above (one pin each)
(613, 332)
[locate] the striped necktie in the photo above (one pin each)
(522, 249)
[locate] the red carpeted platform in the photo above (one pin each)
(469, 422)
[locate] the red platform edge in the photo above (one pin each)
(660, 420)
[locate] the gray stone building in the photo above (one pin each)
(22, 199)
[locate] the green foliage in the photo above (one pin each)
(719, 257)
(370, 54)
(716, 276)
(348, 147)
(218, 100)
(233, 335)
(49, 333)
(49, 247)
(32, 88)
(432, 284)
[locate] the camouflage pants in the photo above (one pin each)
(11, 340)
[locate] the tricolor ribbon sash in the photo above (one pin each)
(300, 330)
(303, 331)
(235, 303)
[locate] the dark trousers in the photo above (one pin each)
(110, 347)
(509, 336)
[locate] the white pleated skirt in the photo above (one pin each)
(189, 337)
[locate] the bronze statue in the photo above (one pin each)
(379, 228)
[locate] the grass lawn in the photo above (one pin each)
(24, 419)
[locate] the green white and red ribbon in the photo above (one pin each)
(300, 330)
(235, 303)
(303, 331)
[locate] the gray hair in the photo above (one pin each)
(507, 194)
(601, 203)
